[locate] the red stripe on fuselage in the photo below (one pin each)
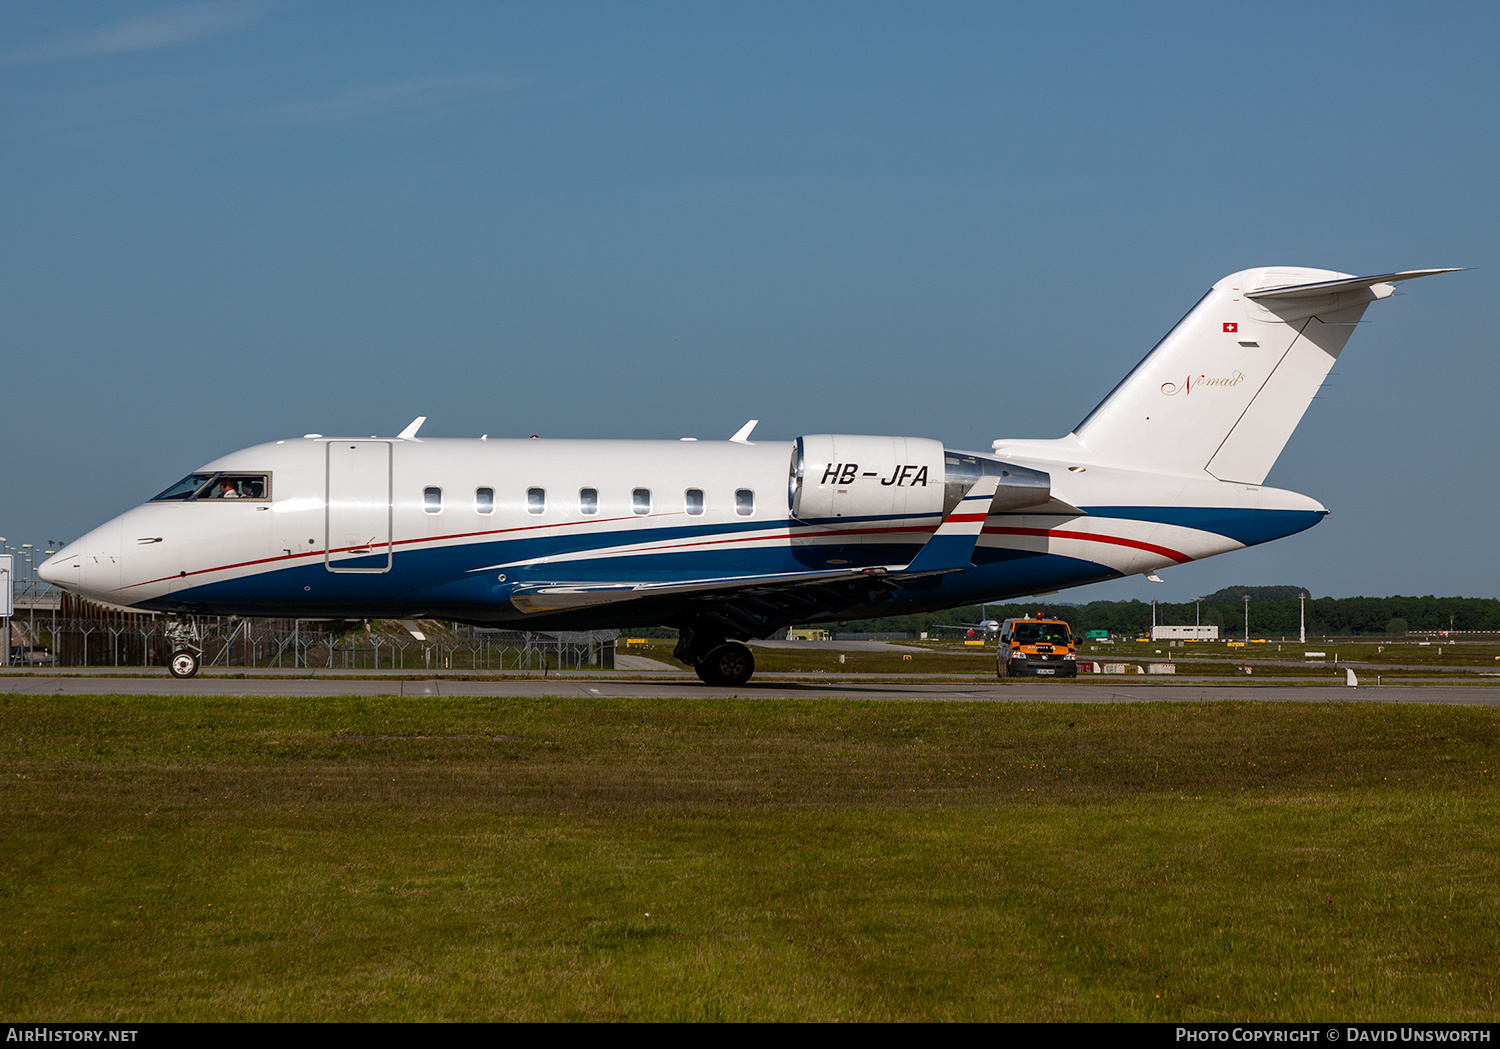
(1092, 537)
(393, 545)
(1058, 533)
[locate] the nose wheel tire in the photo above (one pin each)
(183, 663)
(729, 665)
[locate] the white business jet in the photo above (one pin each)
(732, 540)
(986, 627)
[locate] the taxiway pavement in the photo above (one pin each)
(1095, 690)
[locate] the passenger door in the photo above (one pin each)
(359, 507)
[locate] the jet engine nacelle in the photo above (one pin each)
(848, 475)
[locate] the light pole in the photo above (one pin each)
(53, 546)
(7, 580)
(1302, 618)
(31, 613)
(1247, 619)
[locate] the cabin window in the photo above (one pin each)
(432, 500)
(588, 500)
(693, 499)
(640, 500)
(744, 502)
(484, 500)
(536, 500)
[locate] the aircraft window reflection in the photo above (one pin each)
(184, 488)
(640, 500)
(432, 500)
(536, 500)
(484, 500)
(588, 500)
(198, 487)
(694, 501)
(744, 502)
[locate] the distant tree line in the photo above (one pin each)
(1273, 613)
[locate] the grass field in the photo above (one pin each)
(738, 859)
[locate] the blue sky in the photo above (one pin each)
(234, 221)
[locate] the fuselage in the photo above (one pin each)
(454, 528)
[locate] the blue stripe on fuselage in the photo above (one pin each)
(446, 574)
(1248, 526)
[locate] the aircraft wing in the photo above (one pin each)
(556, 597)
(952, 545)
(756, 603)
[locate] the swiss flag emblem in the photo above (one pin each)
(1231, 327)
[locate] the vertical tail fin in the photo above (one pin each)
(1224, 390)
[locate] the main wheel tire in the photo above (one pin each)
(729, 665)
(183, 663)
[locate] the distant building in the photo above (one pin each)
(1184, 633)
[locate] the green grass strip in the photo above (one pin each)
(454, 859)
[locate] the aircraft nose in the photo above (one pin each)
(62, 568)
(90, 566)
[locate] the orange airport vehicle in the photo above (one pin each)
(1040, 647)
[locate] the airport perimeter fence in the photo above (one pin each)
(76, 633)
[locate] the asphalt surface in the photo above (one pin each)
(1094, 690)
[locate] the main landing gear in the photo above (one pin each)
(728, 664)
(187, 649)
(717, 661)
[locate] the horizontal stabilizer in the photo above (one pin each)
(1333, 287)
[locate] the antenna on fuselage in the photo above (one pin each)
(410, 433)
(742, 435)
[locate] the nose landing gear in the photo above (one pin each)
(183, 663)
(187, 649)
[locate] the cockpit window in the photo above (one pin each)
(184, 488)
(199, 487)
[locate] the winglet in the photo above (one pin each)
(952, 545)
(410, 433)
(742, 435)
(411, 624)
